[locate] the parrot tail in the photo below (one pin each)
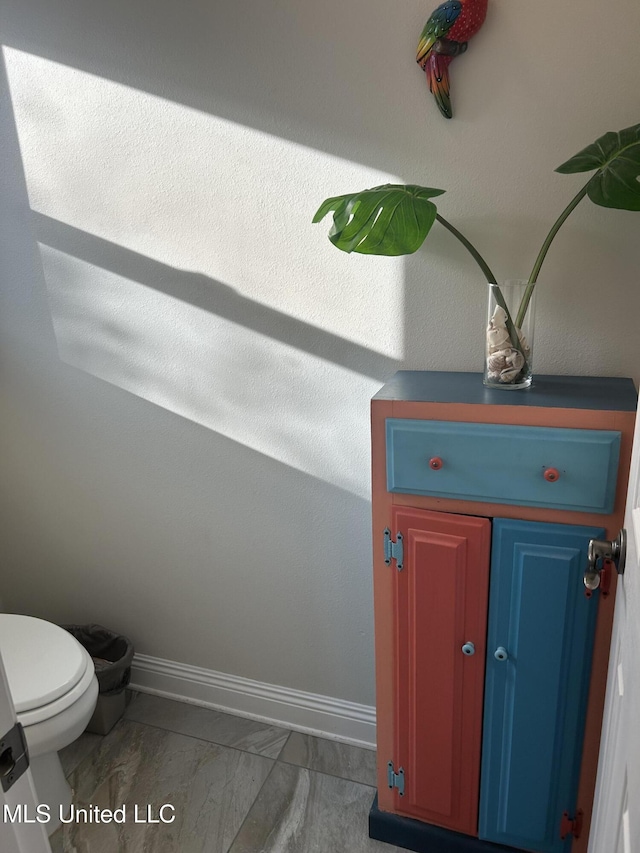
(437, 70)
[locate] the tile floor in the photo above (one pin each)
(237, 786)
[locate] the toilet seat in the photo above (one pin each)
(54, 689)
(47, 669)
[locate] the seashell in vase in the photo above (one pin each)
(515, 360)
(510, 375)
(497, 338)
(497, 361)
(505, 365)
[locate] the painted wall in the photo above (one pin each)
(187, 361)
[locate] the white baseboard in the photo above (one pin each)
(324, 716)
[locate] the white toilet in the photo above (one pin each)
(54, 689)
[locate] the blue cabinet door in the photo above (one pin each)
(539, 649)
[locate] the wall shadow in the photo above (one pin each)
(315, 73)
(213, 296)
(117, 510)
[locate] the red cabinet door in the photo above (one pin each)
(440, 606)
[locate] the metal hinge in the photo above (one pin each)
(393, 550)
(395, 780)
(14, 756)
(571, 826)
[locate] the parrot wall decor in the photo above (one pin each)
(445, 36)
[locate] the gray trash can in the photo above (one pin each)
(112, 655)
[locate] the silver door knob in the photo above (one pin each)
(501, 653)
(468, 649)
(600, 550)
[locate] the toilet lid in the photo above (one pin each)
(42, 660)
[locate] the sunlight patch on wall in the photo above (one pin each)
(297, 408)
(198, 192)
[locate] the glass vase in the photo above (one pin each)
(509, 335)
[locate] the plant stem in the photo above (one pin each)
(526, 298)
(491, 279)
(484, 266)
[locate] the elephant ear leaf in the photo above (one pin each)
(616, 156)
(390, 220)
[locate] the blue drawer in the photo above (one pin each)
(572, 469)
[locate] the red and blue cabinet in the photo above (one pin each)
(490, 656)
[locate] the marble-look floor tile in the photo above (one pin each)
(301, 811)
(327, 756)
(207, 724)
(211, 788)
(72, 755)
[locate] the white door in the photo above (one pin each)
(616, 815)
(20, 800)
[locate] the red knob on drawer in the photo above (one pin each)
(551, 475)
(435, 463)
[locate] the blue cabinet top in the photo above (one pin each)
(566, 392)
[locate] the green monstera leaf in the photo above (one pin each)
(388, 220)
(616, 156)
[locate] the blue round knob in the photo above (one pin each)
(468, 649)
(500, 653)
